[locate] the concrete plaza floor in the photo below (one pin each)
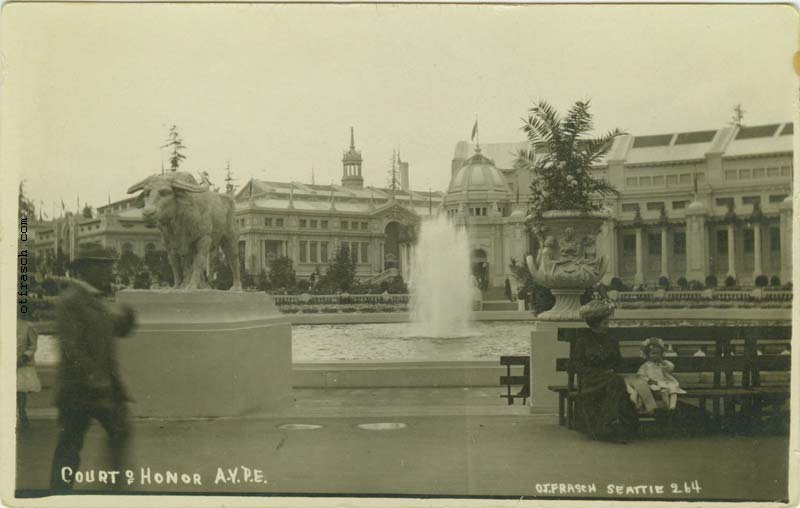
(452, 442)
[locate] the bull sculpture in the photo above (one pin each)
(194, 222)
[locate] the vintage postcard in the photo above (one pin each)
(321, 254)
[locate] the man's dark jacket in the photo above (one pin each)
(88, 373)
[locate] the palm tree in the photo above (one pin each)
(561, 156)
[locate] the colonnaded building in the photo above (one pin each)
(691, 204)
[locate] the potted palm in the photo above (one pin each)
(566, 206)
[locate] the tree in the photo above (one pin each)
(561, 156)
(221, 276)
(87, 211)
(26, 207)
(393, 175)
(128, 266)
(175, 144)
(738, 116)
(281, 273)
(157, 263)
(230, 187)
(341, 273)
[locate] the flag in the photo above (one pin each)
(63, 206)
(474, 131)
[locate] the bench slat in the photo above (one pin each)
(513, 380)
(685, 333)
(515, 360)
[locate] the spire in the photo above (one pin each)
(333, 203)
(312, 175)
(291, 195)
(351, 166)
(371, 200)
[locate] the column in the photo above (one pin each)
(664, 253)
(639, 277)
(786, 239)
(696, 242)
(731, 251)
(757, 270)
(613, 249)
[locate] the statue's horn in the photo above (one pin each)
(191, 187)
(139, 186)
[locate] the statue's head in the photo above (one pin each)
(550, 241)
(158, 194)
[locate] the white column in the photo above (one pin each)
(786, 239)
(639, 277)
(757, 270)
(696, 242)
(731, 251)
(664, 253)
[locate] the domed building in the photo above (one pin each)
(480, 199)
(691, 204)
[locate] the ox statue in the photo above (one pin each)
(194, 222)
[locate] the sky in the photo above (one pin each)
(89, 91)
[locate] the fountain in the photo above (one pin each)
(443, 290)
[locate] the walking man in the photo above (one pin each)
(89, 385)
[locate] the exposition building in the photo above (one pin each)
(691, 204)
(305, 222)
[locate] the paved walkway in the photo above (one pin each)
(448, 442)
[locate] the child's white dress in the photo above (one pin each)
(661, 373)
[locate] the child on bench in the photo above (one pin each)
(658, 372)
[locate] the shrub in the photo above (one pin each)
(330, 310)
(775, 281)
(761, 281)
(50, 287)
(683, 283)
(142, 280)
(663, 282)
(730, 281)
(616, 284)
(696, 285)
(711, 281)
(310, 310)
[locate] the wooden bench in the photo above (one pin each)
(508, 380)
(735, 353)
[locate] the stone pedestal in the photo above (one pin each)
(205, 353)
(545, 349)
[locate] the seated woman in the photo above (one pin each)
(604, 406)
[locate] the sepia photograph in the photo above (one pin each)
(395, 254)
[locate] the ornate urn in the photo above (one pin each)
(567, 262)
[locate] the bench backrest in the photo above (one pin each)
(721, 361)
